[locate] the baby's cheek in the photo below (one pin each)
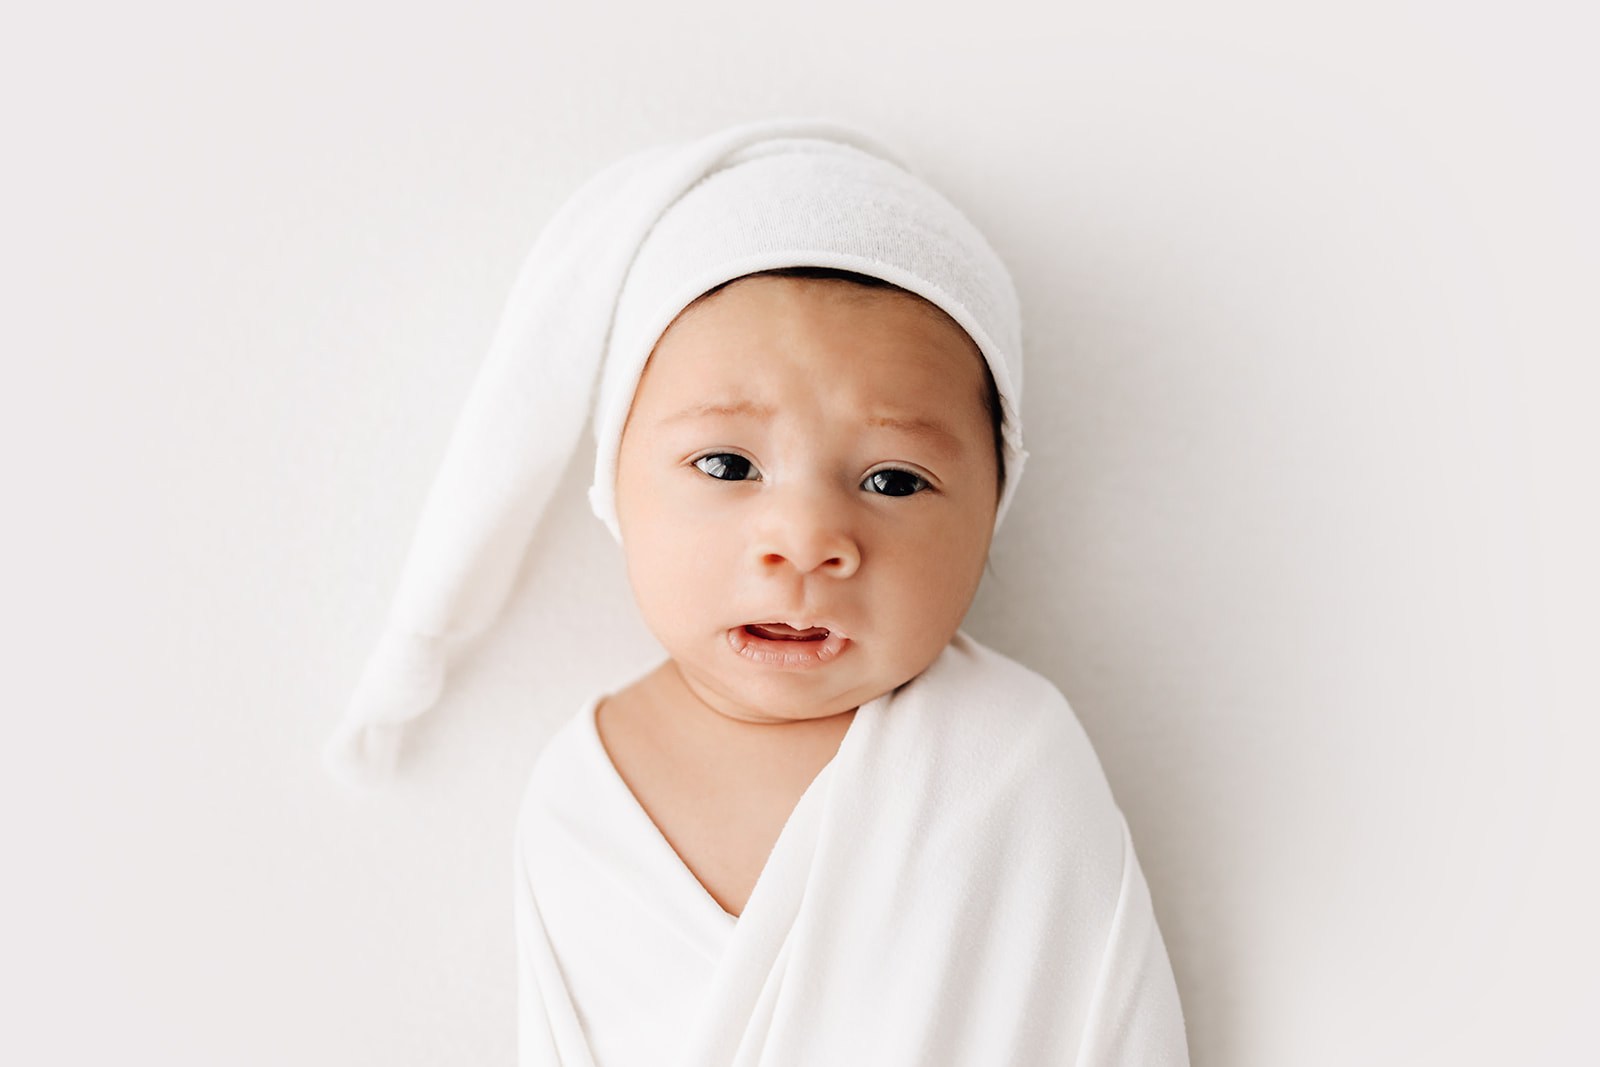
(680, 568)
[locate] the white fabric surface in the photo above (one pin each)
(957, 886)
(629, 251)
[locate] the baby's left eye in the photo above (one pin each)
(894, 483)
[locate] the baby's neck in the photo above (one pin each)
(718, 788)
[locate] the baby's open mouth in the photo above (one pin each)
(787, 647)
(781, 631)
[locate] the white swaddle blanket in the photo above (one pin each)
(956, 887)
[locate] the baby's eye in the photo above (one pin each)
(893, 482)
(726, 466)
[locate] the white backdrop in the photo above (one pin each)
(1308, 536)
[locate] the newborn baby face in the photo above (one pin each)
(806, 491)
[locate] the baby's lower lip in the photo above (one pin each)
(784, 647)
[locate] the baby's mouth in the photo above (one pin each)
(782, 631)
(787, 647)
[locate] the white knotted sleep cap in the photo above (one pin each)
(610, 272)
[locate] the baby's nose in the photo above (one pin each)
(811, 534)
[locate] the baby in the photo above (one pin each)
(829, 828)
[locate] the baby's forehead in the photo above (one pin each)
(778, 350)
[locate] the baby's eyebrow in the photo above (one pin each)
(740, 409)
(917, 426)
(932, 430)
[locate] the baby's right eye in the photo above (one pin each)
(726, 466)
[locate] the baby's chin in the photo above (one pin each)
(782, 698)
(767, 716)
